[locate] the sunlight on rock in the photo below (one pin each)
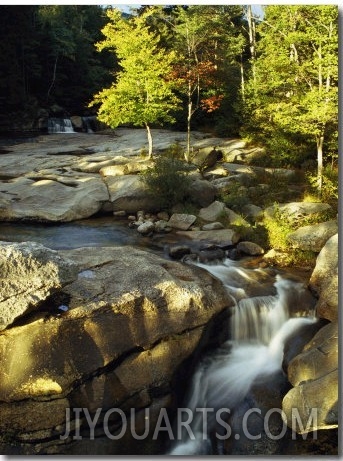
(42, 386)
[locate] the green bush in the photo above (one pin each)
(233, 197)
(329, 191)
(167, 181)
(280, 225)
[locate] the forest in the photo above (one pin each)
(272, 80)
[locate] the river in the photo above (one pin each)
(270, 306)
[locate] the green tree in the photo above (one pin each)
(19, 64)
(71, 64)
(143, 91)
(205, 39)
(296, 76)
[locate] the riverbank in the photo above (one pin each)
(115, 326)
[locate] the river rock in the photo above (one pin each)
(29, 273)
(213, 211)
(212, 226)
(250, 248)
(252, 212)
(138, 311)
(313, 237)
(324, 280)
(162, 226)
(314, 375)
(50, 200)
(181, 221)
(218, 210)
(146, 228)
(178, 251)
(222, 237)
(201, 192)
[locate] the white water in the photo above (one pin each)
(259, 328)
(60, 125)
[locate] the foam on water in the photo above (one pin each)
(259, 328)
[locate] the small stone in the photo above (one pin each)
(119, 213)
(213, 226)
(162, 226)
(178, 251)
(146, 228)
(163, 215)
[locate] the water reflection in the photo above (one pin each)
(102, 231)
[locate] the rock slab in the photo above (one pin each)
(324, 280)
(29, 273)
(128, 310)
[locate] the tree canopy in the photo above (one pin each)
(295, 94)
(142, 93)
(272, 80)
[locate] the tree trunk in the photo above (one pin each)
(252, 41)
(53, 78)
(149, 140)
(189, 117)
(242, 78)
(320, 143)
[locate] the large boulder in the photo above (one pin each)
(217, 210)
(29, 273)
(207, 157)
(295, 210)
(324, 280)
(313, 237)
(52, 200)
(181, 221)
(250, 248)
(128, 310)
(128, 193)
(201, 192)
(213, 211)
(314, 375)
(314, 372)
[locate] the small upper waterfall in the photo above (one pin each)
(60, 125)
(259, 327)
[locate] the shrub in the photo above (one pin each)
(233, 197)
(167, 181)
(329, 191)
(279, 226)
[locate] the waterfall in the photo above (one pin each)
(259, 327)
(89, 123)
(60, 125)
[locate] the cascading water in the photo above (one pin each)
(60, 125)
(259, 327)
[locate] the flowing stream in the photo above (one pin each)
(269, 307)
(258, 328)
(60, 125)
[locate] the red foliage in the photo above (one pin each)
(212, 103)
(203, 71)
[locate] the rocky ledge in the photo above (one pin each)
(314, 372)
(111, 338)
